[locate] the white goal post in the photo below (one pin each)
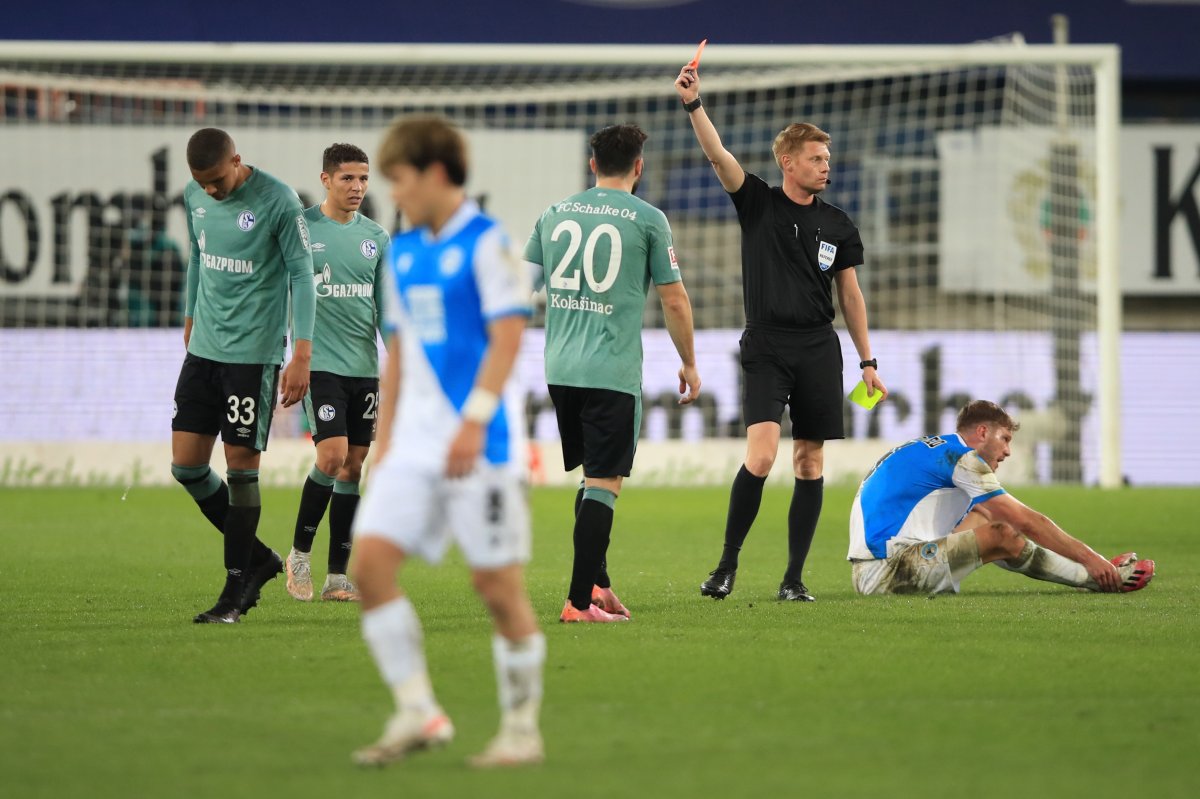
(983, 178)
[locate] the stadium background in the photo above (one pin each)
(41, 341)
(1012, 688)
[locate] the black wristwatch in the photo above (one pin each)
(693, 105)
(871, 363)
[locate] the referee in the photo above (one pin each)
(795, 247)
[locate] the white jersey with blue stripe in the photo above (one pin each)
(441, 292)
(919, 491)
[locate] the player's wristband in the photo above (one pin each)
(480, 406)
(871, 363)
(693, 105)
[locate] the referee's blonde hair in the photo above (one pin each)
(794, 136)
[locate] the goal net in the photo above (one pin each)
(980, 176)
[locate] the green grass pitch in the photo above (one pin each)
(1014, 688)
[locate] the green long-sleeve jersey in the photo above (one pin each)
(348, 267)
(249, 251)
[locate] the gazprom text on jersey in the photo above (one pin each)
(223, 264)
(337, 290)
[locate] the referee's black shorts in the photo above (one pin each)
(798, 368)
(599, 429)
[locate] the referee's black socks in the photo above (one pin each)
(744, 499)
(314, 499)
(593, 529)
(803, 515)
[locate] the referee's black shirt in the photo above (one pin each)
(784, 284)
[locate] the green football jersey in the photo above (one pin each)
(348, 268)
(599, 250)
(248, 251)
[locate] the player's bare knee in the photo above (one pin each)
(759, 464)
(490, 587)
(350, 472)
(330, 463)
(241, 457)
(807, 469)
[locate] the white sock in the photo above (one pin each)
(519, 679)
(1043, 564)
(393, 634)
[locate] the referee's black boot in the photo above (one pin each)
(794, 591)
(719, 583)
(260, 574)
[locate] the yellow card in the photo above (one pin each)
(858, 395)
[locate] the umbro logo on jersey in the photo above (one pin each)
(243, 431)
(198, 212)
(318, 246)
(246, 220)
(368, 248)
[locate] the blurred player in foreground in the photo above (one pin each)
(449, 445)
(599, 251)
(343, 397)
(249, 256)
(932, 511)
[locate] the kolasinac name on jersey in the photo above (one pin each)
(580, 304)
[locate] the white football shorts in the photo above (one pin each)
(915, 566)
(419, 510)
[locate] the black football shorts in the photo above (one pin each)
(801, 369)
(599, 429)
(233, 399)
(342, 406)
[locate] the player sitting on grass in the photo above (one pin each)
(932, 511)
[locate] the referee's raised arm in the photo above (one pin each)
(729, 171)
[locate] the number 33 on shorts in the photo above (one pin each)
(241, 409)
